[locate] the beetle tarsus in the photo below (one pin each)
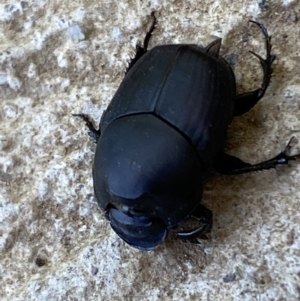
(93, 133)
(230, 165)
(204, 216)
(139, 50)
(244, 102)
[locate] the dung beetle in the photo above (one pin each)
(163, 130)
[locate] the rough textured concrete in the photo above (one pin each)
(64, 57)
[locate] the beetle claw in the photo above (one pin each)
(204, 216)
(287, 150)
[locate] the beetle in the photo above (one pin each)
(163, 130)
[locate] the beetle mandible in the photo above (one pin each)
(164, 128)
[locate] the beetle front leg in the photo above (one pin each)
(230, 165)
(204, 216)
(95, 134)
(244, 102)
(139, 50)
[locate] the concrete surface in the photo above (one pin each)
(64, 57)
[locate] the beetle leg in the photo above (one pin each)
(244, 102)
(230, 165)
(204, 216)
(139, 50)
(95, 134)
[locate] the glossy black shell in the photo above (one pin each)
(164, 128)
(185, 95)
(185, 86)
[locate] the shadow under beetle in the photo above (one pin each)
(164, 128)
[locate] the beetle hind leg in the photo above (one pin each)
(204, 216)
(244, 102)
(141, 50)
(230, 165)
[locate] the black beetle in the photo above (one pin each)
(164, 128)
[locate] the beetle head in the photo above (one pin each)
(137, 229)
(147, 177)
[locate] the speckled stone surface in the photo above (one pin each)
(64, 57)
